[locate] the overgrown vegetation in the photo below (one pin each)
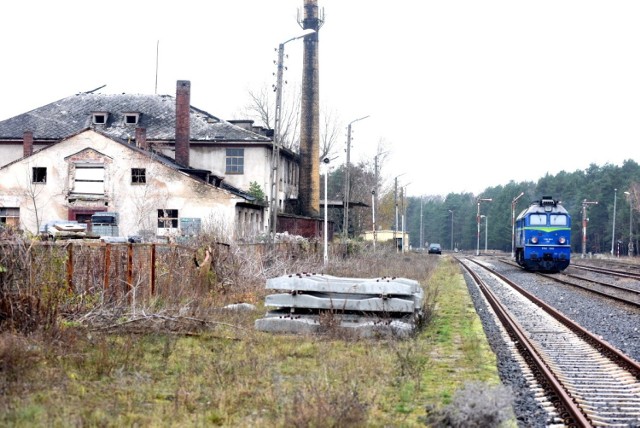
(88, 356)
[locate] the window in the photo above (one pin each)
(100, 118)
(538, 219)
(89, 179)
(39, 175)
(9, 217)
(138, 175)
(131, 118)
(235, 161)
(168, 219)
(558, 220)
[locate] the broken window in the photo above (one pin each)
(39, 175)
(138, 175)
(235, 161)
(9, 216)
(168, 219)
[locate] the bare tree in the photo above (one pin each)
(329, 133)
(262, 109)
(33, 193)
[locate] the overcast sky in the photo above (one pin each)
(466, 94)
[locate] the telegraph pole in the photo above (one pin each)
(585, 203)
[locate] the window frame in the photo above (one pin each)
(39, 175)
(138, 176)
(102, 115)
(167, 215)
(234, 160)
(7, 213)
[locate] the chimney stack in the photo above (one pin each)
(309, 191)
(183, 107)
(27, 140)
(141, 138)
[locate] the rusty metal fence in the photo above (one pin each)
(121, 272)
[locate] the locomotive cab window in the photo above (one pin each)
(557, 220)
(538, 219)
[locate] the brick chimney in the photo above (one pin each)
(183, 105)
(309, 183)
(27, 143)
(141, 138)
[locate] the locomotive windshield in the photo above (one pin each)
(558, 220)
(538, 219)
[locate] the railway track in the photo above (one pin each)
(627, 295)
(587, 381)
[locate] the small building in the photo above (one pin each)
(388, 236)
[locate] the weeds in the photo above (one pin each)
(178, 355)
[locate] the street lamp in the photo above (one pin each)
(374, 199)
(421, 230)
(630, 224)
(347, 185)
(275, 155)
(404, 215)
(451, 211)
(395, 202)
(513, 223)
(486, 227)
(613, 232)
(478, 223)
(326, 208)
(584, 225)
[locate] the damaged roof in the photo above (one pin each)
(157, 114)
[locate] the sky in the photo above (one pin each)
(463, 94)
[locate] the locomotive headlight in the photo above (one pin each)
(562, 240)
(534, 240)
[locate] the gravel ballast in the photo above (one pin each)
(616, 323)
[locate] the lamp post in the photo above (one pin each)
(347, 185)
(395, 202)
(630, 224)
(374, 199)
(585, 203)
(451, 211)
(513, 224)
(478, 223)
(613, 231)
(421, 232)
(404, 216)
(275, 158)
(486, 227)
(326, 208)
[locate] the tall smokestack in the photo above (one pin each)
(27, 140)
(309, 191)
(183, 106)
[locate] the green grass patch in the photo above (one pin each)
(231, 375)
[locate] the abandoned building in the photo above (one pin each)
(90, 172)
(94, 148)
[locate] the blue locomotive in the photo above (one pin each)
(542, 236)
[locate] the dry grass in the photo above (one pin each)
(180, 359)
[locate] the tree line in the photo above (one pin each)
(451, 220)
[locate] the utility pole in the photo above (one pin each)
(513, 224)
(347, 184)
(585, 203)
(613, 232)
(478, 223)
